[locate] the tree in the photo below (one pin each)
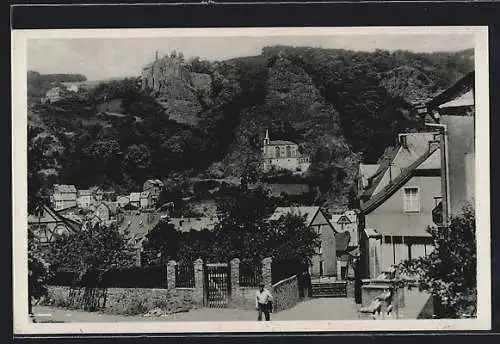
(90, 254)
(449, 272)
(137, 162)
(162, 244)
(41, 165)
(38, 270)
(244, 230)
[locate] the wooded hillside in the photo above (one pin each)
(341, 107)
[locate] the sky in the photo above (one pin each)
(103, 58)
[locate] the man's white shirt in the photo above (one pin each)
(263, 298)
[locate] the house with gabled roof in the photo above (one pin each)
(47, 224)
(154, 186)
(324, 263)
(85, 198)
(453, 113)
(64, 196)
(146, 200)
(135, 199)
(397, 203)
(106, 211)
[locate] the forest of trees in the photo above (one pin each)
(341, 107)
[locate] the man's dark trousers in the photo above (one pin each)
(263, 309)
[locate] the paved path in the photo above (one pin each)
(313, 309)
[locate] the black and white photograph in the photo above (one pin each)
(261, 179)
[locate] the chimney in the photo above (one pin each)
(403, 140)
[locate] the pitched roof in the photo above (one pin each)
(466, 99)
(64, 197)
(390, 188)
(281, 142)
(366, 171)
(110, 205)
(152, 183)
(135, 196)
(192, 223)
(139, 225)
(63, 188)
(49, 214)
(417, 144)
(145, 194)
(87, 192)
(308, 212)
(460, 87)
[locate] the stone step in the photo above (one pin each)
(329, 290)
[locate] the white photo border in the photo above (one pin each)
(22, 325)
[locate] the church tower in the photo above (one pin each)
(266, 139)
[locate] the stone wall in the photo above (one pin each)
(124, 301)
(244, 297)
(286, 294)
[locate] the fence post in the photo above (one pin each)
(235, 279)
(235, 275)
(198, 282)
(171, 274)
(267, 277)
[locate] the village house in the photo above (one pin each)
(97, 194)
(63, 196)
(397, 204)
(72, 86)
(135, 199)
(53, 95)
(154, 187)
(105, 212)
(136, 226)
(346, 221)
(324, 263)
(146, 200)
(285, 155)
(452, 112)
(123, 200)
(85, 198)
(47, 224)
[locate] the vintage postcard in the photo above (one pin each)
(251, 180)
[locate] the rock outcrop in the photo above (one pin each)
(180, 92)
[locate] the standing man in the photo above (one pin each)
(263, 302)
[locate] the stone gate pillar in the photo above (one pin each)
(171, 274)
(267, 277)
(198, 282)
(235, 276)
(235, 281)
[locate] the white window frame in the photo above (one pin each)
(414, 208)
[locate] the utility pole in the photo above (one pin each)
(445, 181)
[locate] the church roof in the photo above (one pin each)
(281, 143)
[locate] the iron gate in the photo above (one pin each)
(217, 285)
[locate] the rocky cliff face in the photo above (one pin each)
(180, 92)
